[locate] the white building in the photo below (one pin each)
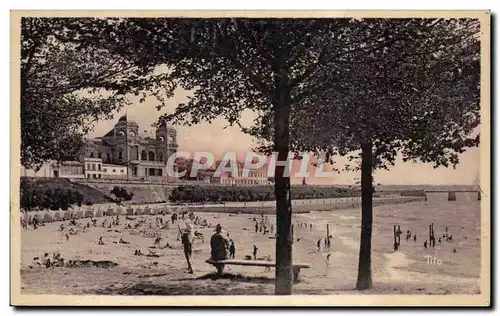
(110, 171)
(93, 168)
(254, 177)
(67, 169)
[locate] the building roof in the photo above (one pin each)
(125, 119)
(72, 163)
(94, 159)
(107, 165)
(142, 135)
(110, 133)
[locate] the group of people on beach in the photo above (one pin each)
(32, 221)
(262, 226)
(222, 247)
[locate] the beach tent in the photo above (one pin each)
(72, 213)
(66, 215)
(146, 211)
(98, 213)
(79, 214)
(38, 215)
(88, 213)
(154, 211)
(48, 217)
(120, 210)
(58, 216)
(167, 210)
(130, 211)
(110, 212)
(138, 211)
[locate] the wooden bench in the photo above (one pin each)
(255, 263)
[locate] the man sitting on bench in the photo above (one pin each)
(219, 245)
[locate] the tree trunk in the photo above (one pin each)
(284, 273)
(364, 265)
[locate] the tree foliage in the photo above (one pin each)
(417, 96)
(33, 196)
(69, 79)
(121, 194)
(214, 194)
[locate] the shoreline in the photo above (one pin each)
(103, 210)
(299, 209)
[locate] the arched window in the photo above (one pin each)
(151, 156)
(160, 157)
(108, 157)
(171, 138)
(144, 155)
(91, 155)
(131, 134)
(120, 155)
(99, 155)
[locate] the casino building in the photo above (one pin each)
(124, 153)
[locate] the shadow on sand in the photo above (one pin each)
(233, 277)
(226, 284)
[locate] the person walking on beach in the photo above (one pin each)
(35, 223)
(256, 226)
(255, 252)
(232, 250)
(187, 238)
(318, 244)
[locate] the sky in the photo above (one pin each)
(218, 140)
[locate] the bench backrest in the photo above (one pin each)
(256, 263)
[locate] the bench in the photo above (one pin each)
(255, 263)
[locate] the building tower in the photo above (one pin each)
(167, 140)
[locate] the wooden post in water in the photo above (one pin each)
(395, 239)
(399, 236)
(433, 236)
(328, 234)
(430, 236)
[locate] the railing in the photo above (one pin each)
(343, 200)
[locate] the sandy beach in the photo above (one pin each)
(166, 273)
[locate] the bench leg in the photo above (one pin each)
(220, 268)
(296, 273)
